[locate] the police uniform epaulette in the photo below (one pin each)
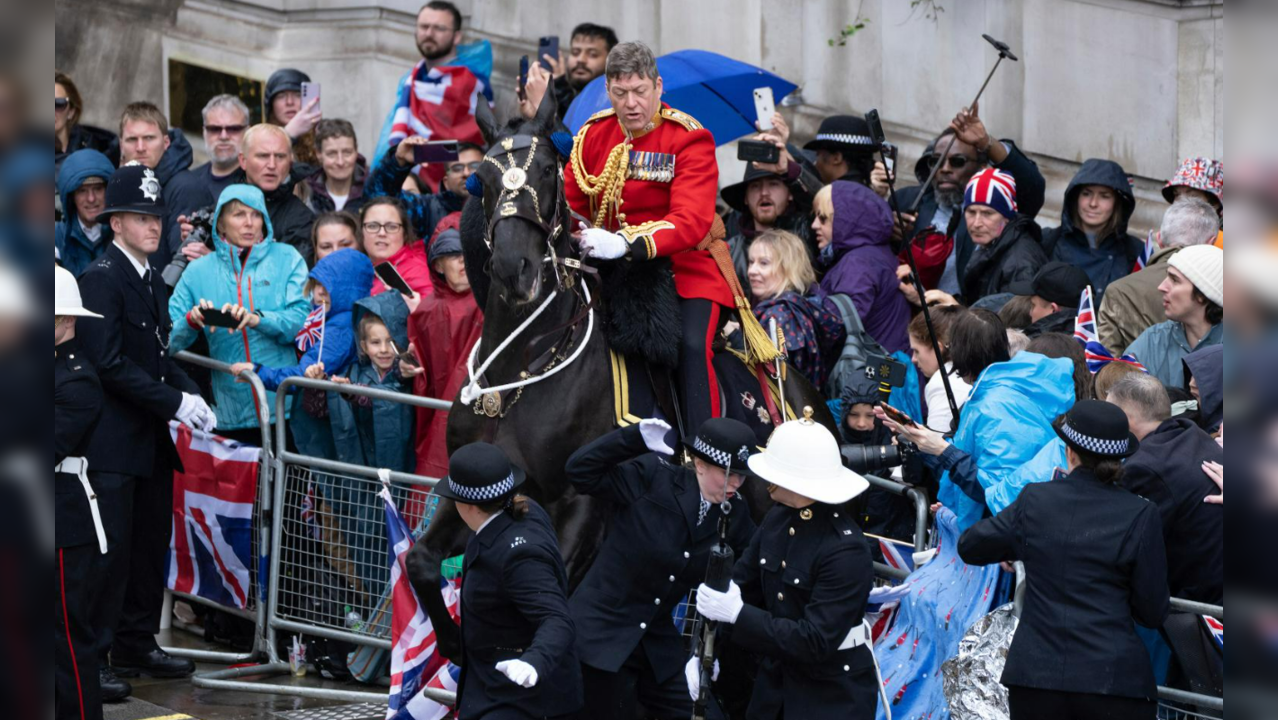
(687, 121)
(843, 524)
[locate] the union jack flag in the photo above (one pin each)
(1096, 354)
(880, 610)
(312, 330)
(1217, 630)
(415, 662)
(439, 103)
(211, 549)
(1151, 247)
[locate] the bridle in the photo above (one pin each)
(514, 184)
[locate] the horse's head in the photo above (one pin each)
(523, 202)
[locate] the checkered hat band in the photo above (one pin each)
(845, 138)
(1095, 445)
(720, 457)
(485, 493)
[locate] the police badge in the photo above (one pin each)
(150, 186)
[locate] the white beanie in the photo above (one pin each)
(1204, 266)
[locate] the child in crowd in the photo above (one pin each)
(377, 433)
(333, 285)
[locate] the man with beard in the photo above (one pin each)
(939, 220)
(226, 117)
(439, 29)
(587, 54)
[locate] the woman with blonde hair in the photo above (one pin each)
(783, 283)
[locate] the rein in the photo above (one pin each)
(514, 183)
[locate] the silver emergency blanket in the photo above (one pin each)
(970, 678)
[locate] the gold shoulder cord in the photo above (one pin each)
(604, 190)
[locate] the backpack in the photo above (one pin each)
(856, 348)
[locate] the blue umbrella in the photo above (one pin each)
(716, 90)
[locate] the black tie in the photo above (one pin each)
(146, 280)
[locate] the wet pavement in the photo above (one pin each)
(178, 699)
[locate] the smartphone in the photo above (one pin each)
(548, 45)
(523, 78)
(217, 318)
(764, 107)
(391, 277)
(410, 358)
(310, 91)
(897, 416)
(435, 151)
(758, 151)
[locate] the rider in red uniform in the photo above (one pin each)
(645, 175)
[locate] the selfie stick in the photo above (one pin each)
(1003, 52)
(877, 128)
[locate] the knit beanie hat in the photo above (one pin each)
(994, 188)
(1204, 266)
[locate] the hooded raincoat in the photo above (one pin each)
(1104, 259)
(375, 433)
(445, 327)
(861, 265)
(347, 275)
(1006, 421)
(267, 279)
(75, 250)
(1207, 366)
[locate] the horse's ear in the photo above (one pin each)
(547, 116)
(487, 123)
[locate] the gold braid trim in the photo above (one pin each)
(604, 189)
(759, 347)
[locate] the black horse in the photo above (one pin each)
(519, 251)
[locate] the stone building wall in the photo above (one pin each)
(1139, 81)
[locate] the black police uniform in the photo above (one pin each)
(514, 607)
(132, 450)
(805, 579)
(653, 553)
(77, 404)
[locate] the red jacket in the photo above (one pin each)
(411, 263)
(443, 329)
(668, 200)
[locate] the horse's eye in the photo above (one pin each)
(548, 170)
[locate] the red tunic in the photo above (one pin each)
(662, 213)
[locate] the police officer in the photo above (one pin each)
(516, 642)
(655, 549)
(78, 532)
(799, 592)
(131, 450)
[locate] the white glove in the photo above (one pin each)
(207, 419)
(191, 410)
(519, 672)
(719, 606)
(599, 243)
(654, 432)
(692, 673)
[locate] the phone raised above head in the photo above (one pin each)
(548, 45)
(764, 107)
(758, 151)
(310, 91)
(435, 151)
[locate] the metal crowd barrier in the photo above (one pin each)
(1174, 704)
(921, 509)
(255, 610)
(330, 560)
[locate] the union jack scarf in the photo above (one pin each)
(1096, 354)
(312, 330)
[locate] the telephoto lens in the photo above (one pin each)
(869, 459)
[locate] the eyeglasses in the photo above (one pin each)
(373, 228)
(61, 104)
(954, 161)
(228, 129)
(458, 167)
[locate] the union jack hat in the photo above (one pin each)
(994, 188)
(1199, 173)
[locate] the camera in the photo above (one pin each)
(202, 232)
(870, 459)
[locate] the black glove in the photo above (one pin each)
(424, 574)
